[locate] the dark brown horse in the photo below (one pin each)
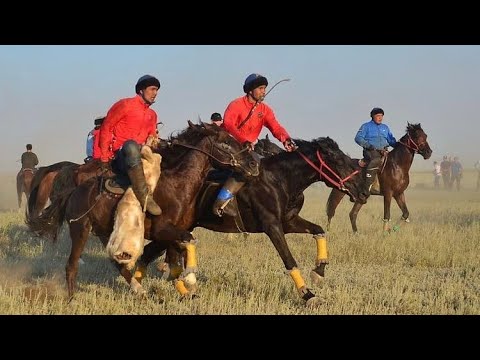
(271, 202)
(393, 177)
(185, 164)
(24, 182)
(42, 185)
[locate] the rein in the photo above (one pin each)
(340, 183)
(407, 144)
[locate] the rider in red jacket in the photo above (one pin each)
(244, 119)
(128, 124)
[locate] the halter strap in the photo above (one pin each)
(407, 144)
(323, 164)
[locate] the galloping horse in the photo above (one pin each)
(270, 203)
(393, 177)
(185, 164)
(24, 182)
(42, 184)
(265, 147)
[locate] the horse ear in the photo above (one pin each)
(266, 137)
(190, 124)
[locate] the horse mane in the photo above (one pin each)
(327, 146)
(171, 154)
(413, 127)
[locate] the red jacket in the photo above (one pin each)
(238, 110)
(96, 143)
(127, 119)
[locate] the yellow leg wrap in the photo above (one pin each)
(191, 256)
(180, 286)
(297, 278)
(140, 272)
(322, 257)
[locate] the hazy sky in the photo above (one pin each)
(50, 95)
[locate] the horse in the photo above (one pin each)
(42, 185)
(270, 203)
(265, 147)
(393, 177)
(24, 182)
(185, 163)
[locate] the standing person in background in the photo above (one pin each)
(437, 174)
(129, 123)
(477, 166)
(216, 119)
(93, 140)
(457, 172)
(445, 167)
(244, 119)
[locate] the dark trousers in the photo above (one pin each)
(127, 157)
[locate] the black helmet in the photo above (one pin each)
(376, 111)
(253, 81)
(216, 117)
(146, 81)
(29, 146)
(99, 120)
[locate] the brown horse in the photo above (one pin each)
(393, 177)
(271, 202)
(42, 185)
(185, 164)
(24, 182)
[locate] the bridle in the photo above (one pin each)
(412, 145)
(337, 181)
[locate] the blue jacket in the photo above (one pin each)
(379, 136)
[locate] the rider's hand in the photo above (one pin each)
(249, 145)
(105, 166)
(289, 145)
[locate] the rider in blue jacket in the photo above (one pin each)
(375, 138)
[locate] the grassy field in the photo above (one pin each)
(430, 266)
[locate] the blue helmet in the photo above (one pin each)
(253, 81)
(146, 81)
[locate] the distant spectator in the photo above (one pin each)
(437, 174)
(457, 171)
(477, 166)
(445, 167)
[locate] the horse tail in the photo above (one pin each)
(51, 219)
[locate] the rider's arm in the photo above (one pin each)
(274, 126)
(390, 138)
(114, 115)
(360, 137)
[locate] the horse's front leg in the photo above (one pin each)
(333, 200)
(402, 204)
(277, 236)
(300, 225)
(79, 232)
(353, 215)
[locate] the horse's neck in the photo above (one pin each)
(401, 155)
(194, 166)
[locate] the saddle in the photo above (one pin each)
(375, 189)
(114, 186)
(208, 194)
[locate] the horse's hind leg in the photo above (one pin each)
(300, 225)
(79, 235)
(353, 215)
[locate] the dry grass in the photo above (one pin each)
(430, 266)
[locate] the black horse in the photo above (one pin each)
(186, 161)
(265, 147)
(393, 177)
(270, 203)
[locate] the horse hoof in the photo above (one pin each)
(316, 279)
(313, 303)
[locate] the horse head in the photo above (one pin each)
(416, 140)
(223, 150)
(265, 147)
(333, 167)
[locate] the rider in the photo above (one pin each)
(93, 148)
(126, 128)
(244, 119)
(216, 119)
(29, 158)
(374, 137)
